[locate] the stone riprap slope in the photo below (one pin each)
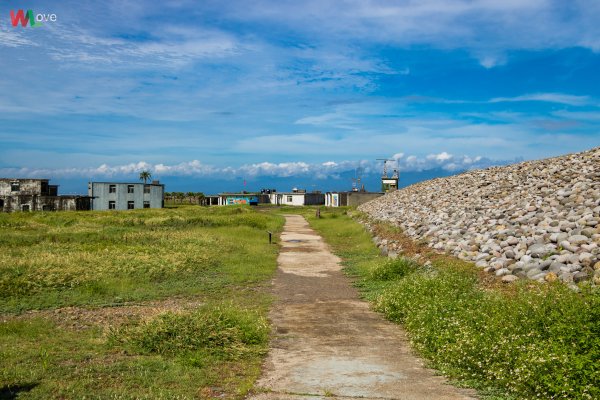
(536, 220)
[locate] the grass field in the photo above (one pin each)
(164, 303)
(522, 341)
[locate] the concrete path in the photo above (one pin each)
(327, 343)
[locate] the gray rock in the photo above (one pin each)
(525, 259)
(533, 272)
(556, 267)
(581, 276)
(538, 277)
(587, 259)
(588, 232)
(566, 277)
(578, 239)
(509, 278)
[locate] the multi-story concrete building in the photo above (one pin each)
(126, 196)
(37, 195)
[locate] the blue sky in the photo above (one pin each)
(274, 89)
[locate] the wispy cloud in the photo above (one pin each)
(11, 38)
(560, 98)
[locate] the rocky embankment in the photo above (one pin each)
(537, 220)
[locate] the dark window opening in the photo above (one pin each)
(146, 204)
(112, 188)
(147, 189)
(290, 199)
(130, 205)
(25, 207)
(112, 205)
(46, 207)
(130, 188)
(1, 203)
(44, 187)
(15, 186)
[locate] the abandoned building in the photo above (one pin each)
(297, 197)
(266, 196)
(37, 195)
(352, 198)
(126, 196)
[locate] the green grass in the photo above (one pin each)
(528, 341)
(219, 257)
(214, 331)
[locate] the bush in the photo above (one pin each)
(224, 331)
(393, 269)
(534, 343)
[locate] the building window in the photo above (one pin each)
(147, 189)
(130, 205)
(112, 205)
(146, 204)
(1, 203)
(112, 188)
(130, 188)
(290, 199)
(15, 186)
(46, 207)
(25, 207)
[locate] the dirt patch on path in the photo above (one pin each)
(327, 343)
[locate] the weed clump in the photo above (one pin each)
(393, 269)
(222, 331)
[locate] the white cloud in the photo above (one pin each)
(488, 28)
(443, 156)
(560, 98)
(11, 38)
(196, 168)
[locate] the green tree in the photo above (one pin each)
(145, 175)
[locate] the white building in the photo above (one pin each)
(353, 199)
(297, 198)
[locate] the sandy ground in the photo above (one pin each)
(329, 344)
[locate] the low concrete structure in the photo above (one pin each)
(37, 195)
(126, 196)
(353, 198)
(252, 199)
(297, 197)
(210, 201)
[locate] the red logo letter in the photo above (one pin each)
(20, 17)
